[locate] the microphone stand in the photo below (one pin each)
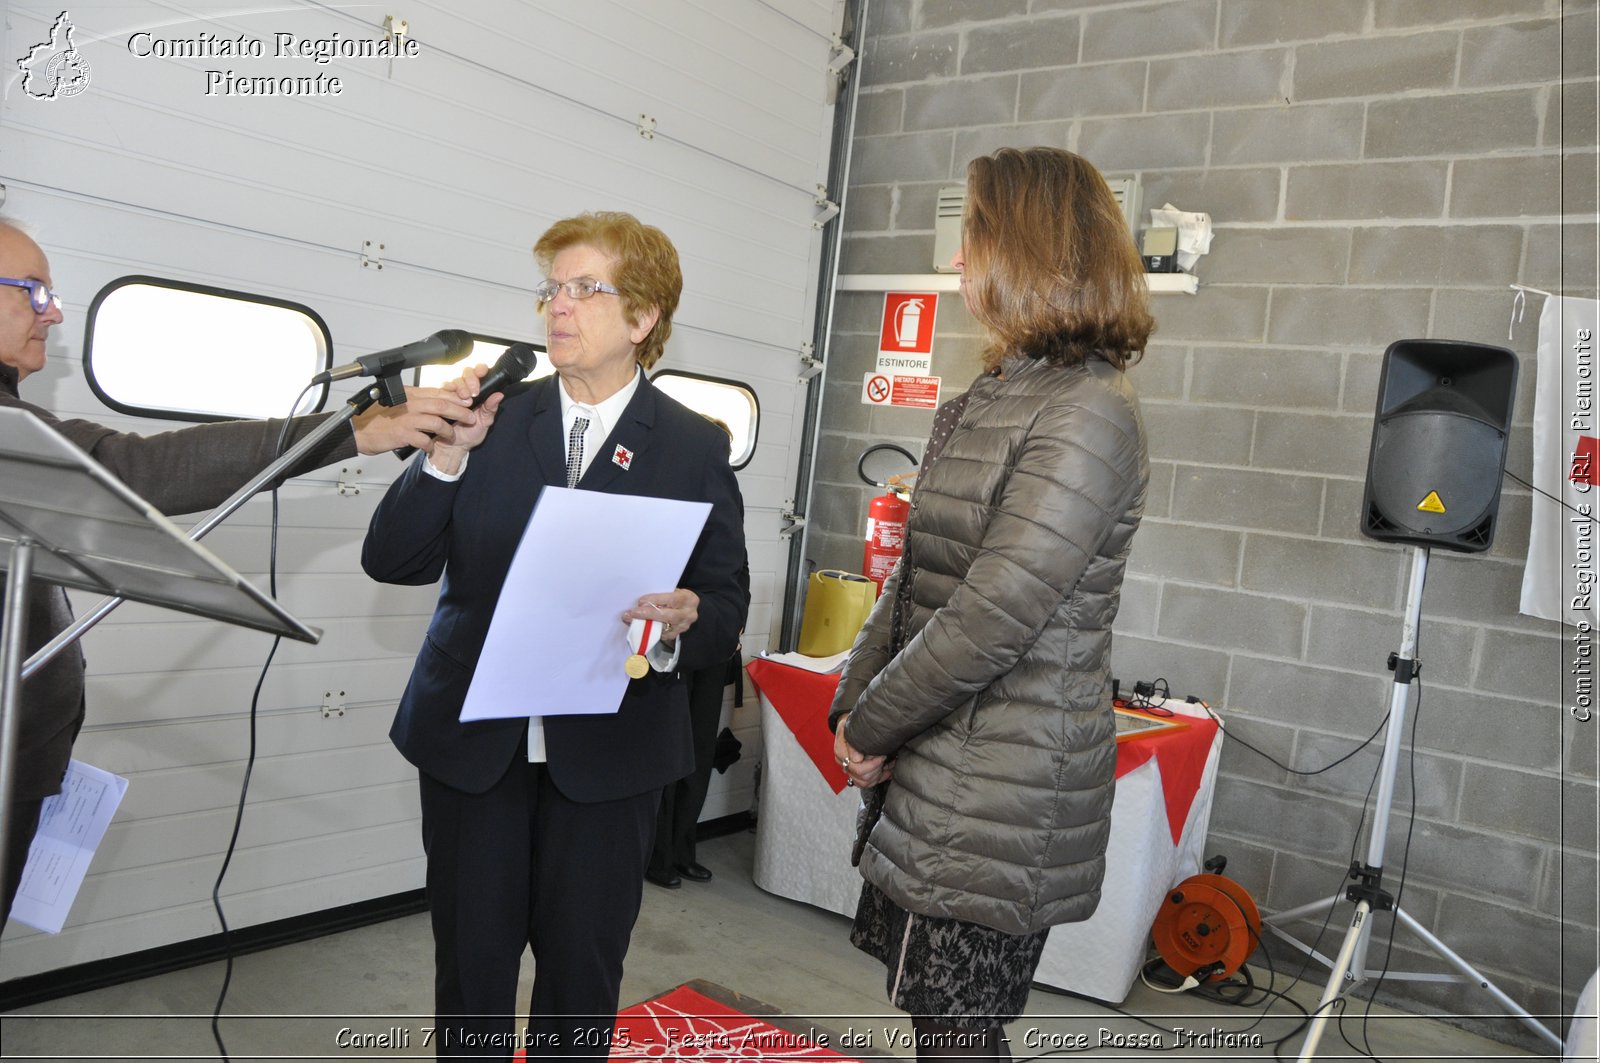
(11, 650)
(386, 390)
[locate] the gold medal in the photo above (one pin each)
(642, 635)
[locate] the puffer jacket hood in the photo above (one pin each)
(998, 709)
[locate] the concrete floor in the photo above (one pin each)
(293, 1002)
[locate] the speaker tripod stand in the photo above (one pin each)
(1368, 893)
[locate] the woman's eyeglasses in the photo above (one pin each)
(577, 288)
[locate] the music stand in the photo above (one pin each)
(65, 520)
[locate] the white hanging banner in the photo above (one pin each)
(1559, 580)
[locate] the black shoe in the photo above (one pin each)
(695, 872)
(667, 880)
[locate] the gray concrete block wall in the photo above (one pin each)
(1375, 170)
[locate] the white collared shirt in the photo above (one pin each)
(603, 416)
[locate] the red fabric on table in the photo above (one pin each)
(802, 699)
(1182, 755)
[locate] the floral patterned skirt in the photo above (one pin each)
(949, 970)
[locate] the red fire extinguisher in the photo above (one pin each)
(886, 535)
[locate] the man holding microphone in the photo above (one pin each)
(181, 471)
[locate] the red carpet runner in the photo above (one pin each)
(686, 1025)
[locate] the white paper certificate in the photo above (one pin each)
(71, 827)
(557, 643)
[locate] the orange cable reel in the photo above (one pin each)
(1207, 923)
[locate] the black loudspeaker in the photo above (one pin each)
(1439, 444)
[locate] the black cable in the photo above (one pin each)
(1560, 502)
(1283, 994)
(1355, 844)
(1219, 992)
(1404, 858)
(1152, 699)
(1267, 994)
(1400, 889)
(250, 759)
(238, 818)
(1143, 703)
(1270, 993)
(1337, 1002)
(1296, 771)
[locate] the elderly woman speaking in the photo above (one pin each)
(537, 830)
(980, 683)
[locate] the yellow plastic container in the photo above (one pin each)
(837, 604)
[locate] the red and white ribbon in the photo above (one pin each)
(642, 635)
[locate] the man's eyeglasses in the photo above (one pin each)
(577, 288)
(40, 296)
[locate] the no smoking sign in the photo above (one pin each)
(887, 389)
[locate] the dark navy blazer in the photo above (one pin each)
(468, 531)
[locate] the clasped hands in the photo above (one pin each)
(861, 768)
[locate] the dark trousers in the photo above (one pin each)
(21, 825)
(522, 866)
(682, 801)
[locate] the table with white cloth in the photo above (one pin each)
(806, 824)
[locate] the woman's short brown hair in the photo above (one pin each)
(1051, 269)
(647, 271)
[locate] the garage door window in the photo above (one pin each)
(727, 401)
(162, 348)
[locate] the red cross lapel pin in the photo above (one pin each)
(622, 457)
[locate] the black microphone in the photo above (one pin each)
(505, 375)
(445, 346)
(512, 366)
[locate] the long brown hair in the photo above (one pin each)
(1051, 269)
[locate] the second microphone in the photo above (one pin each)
(506, 373)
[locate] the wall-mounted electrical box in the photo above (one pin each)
(947, 227)
(947, 217)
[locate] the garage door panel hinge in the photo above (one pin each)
(827, 209)
(840, 56)
(810, 364)
(349, 482)
(792, 521)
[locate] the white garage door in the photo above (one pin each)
(402, 204)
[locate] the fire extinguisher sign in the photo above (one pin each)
(903, 376)
(905, 341)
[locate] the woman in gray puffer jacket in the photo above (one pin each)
(980, 682)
